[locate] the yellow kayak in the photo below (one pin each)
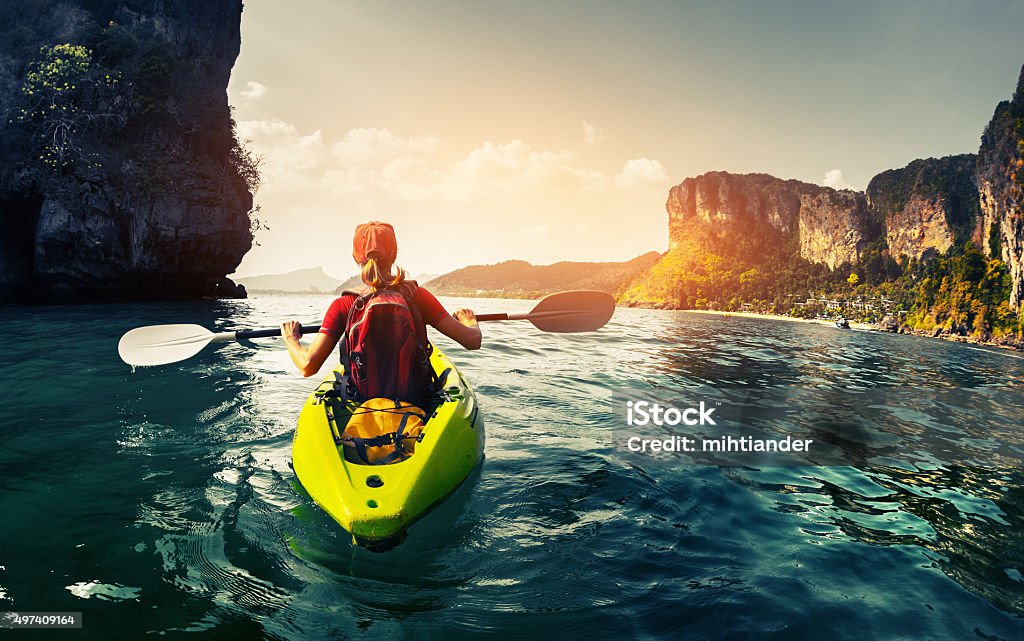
(377, 503)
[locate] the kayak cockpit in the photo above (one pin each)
(401, 477)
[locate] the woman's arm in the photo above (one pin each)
(309, 359)
(462, 328)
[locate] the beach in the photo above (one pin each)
(792, 319)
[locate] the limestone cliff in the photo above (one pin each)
(148, 193)
(919, 211)
(1001, 185)
(748, 201)
(940, 240)
(835, 227)
(831, 226)
(928, 206)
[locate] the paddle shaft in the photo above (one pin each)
(496, 317)
(526, 315)
(246, 334)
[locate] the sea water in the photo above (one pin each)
(162, 502)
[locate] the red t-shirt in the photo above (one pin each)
(431, 311)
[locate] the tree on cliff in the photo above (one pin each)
(67, 97)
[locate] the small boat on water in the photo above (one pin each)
(842, 323)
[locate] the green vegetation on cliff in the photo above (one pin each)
(708, 270)
(961, 292)
(949, 180)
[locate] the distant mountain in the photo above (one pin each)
(517, 278)
(356, 282)
(301, 280)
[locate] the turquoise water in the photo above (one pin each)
(162, 501)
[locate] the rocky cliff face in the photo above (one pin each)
(1000, 171)
(925, 209)
(835, 227)
(731, 199)
(928, 206)
(832, 226)
(150, 197)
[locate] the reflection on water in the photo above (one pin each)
(164, 500)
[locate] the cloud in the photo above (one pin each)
(291, 160)
(640, 171)
(591, 133)
(251, 129)
(372, 167)
(367, 144)
(409, 179)
(834, 179)
(514, 168)
(253, 91)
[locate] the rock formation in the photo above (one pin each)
(1001, 186)
(928, 206)
(740, 200)
(835, 226)
(832, 226)
(150, 198)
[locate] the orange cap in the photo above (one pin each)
(375, 238)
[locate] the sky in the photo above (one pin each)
(548, 131)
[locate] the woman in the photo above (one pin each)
(374, 249)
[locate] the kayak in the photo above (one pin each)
(377, 503)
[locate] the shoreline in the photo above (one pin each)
(952, 338)
(869, 327)
(779, 317)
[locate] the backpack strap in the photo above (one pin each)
(408, 290)
(349, 390)
(443, 377)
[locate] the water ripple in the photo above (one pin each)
(171, 499)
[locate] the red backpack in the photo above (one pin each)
(384, 348)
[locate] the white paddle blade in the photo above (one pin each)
(162, 344)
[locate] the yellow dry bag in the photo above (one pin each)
(382, 431)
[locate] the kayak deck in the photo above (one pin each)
(377, 503)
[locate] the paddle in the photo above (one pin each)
(580, 311)
(163, 344)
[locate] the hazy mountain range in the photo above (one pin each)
(311, 280)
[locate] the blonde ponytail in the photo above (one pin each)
(378, 276)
